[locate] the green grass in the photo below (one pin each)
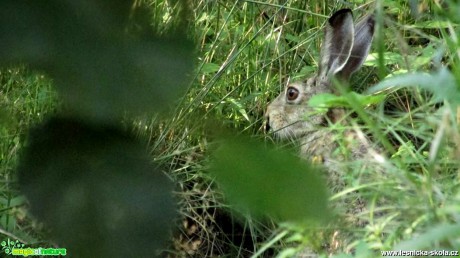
(246, 51)
(26, 98)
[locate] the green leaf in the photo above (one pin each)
(209, 68)
(100, 68)
(304, 72)
(95, 186)
(442, 84)
(363, 250)
(433, 235)
(18, 200)
(327, 100)
(390, 58)
(267, 181)
(239, 107)
(287, 252)
(425, 57)
(434, 24)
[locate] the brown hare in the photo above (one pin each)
(343, 51)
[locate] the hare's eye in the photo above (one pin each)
(292, 93)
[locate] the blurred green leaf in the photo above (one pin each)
(434, 234)
(390, 58)
(304, 72)
(362, 250)
(288, 252)
(327, 100)
(442, 84)
(425, 57)
(17, 201)
(101, 68)
(209, 68)
(434, 24)
(267, 181)
(96, 189)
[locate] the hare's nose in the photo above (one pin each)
(267, 124)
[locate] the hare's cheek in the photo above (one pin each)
(279, 126)
(278, 122)
(297, 113)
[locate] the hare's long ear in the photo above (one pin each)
(364, 31)
(338, 43)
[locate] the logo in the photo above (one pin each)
(16, 248)
(8, 246)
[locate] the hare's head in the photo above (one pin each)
(343, 51)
